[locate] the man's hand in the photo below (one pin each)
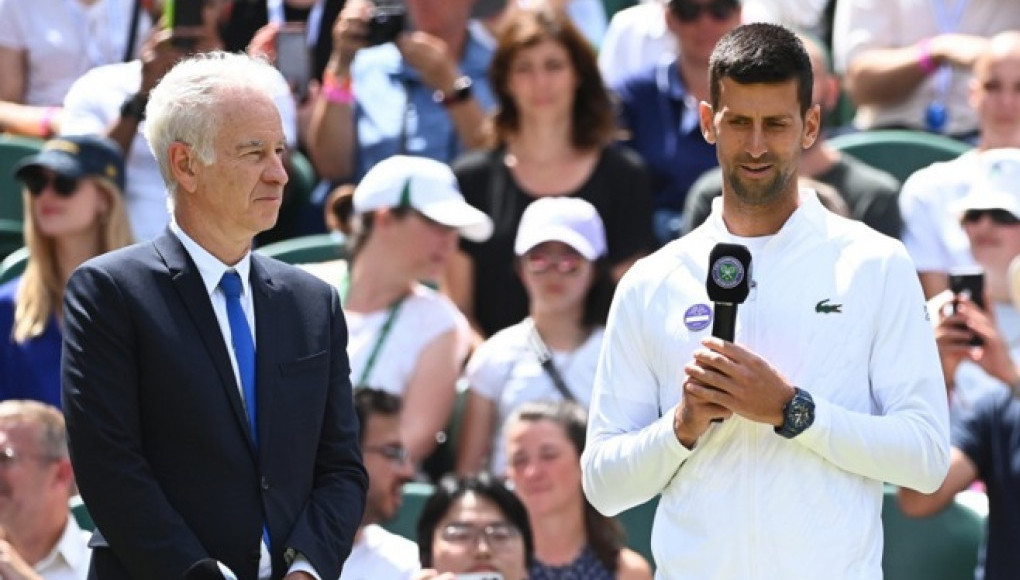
(158, 56)
(730, 376)
(430, 56)
(350, 34)
(13, 566)
(695, 413)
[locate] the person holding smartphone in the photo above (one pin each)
(978, 329)
(986, 431)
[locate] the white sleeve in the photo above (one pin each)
(921, 230)
(489, 367)
(860, 25)
(85, 107)
(906, 442)
(12, 35)
(285, 103)
(631, 451)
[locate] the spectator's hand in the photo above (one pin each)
(13, 566)
(959, 50)
(993, 356)
(740, 381)
(430, 56)
(952, 337)
(158, 56)
(350, 34)
(263, 43)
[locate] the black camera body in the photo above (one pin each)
(388, 21)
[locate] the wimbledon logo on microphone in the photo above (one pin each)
(727, 272)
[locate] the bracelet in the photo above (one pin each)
(46, 122)
(337, 90)
(924, 59)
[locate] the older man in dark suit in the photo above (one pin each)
(206, 388)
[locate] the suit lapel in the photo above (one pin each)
(189, 286)
(268, 324)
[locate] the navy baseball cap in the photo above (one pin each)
(77, 156)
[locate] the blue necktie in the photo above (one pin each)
(244, 346)
(244, 351)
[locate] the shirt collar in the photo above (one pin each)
(72, 548)
(210, 268)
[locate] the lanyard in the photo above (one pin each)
(345, 287)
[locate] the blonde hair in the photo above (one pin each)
(52, 433)
(42, 287)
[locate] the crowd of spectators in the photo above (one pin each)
(494, 167)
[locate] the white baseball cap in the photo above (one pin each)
(996, 184)
(426, 185)
(570, 220)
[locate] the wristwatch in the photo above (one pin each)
(461, 92)
(798, 414)
(134, 106)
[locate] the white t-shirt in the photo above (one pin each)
(931, 230)
(506, 370)
(423, 316)
(635, 40)
(63, 39)
(380, 554)
(93, 104)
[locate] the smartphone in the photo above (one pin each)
(293, 58)
(387, 22)
(480, 576)
(184, 14)
(970, 283)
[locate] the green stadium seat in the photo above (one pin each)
(943, 546)
(307, 249)
(81, 513)
(637, 524)
(13, 149)
(11, 236)
(13, 265)
(899, 152)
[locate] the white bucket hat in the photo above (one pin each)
(996, 185)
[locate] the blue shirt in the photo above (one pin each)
(30, 370)
(394, 112)
(663, 122)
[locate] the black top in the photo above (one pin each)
(871, 194)
(990, 436)
(618, 187)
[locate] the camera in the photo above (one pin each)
(969, 282)
(388, 21)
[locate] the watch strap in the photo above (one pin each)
(134, 106)
(460, 93)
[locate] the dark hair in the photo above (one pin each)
(593, 120)
(356, 228)
(369, 401)
(450, 489)
(605, 535)
(761, 53)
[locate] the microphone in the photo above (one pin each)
(728, 283)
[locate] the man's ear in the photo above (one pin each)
(812, 125)
(707, 117)
(182, 166)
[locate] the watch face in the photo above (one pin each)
(800, 415)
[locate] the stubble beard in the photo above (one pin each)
(762, 193)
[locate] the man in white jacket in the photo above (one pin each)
(769, 451)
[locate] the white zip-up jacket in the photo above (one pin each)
(837, 309)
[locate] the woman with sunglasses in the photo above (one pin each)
(474, 528)
(979, 335)
(74, 210)
(551, 133)
(561, 249)
(402, 223)
(572, 539)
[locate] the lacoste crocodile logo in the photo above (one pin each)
(824, 308)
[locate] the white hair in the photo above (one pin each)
(182, 108)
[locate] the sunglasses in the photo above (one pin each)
(999, 217)
(688, 12)
(542, 262)
(63, 186)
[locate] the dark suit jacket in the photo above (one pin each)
(159, 439)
